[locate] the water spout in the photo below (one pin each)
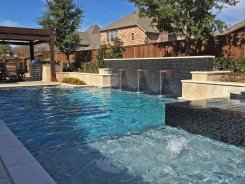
(163, 75)
(121, 75)
(139, 78)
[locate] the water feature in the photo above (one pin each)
(121, 76)
(162, 85)
(139, 80)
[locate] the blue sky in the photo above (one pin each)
(23, 13)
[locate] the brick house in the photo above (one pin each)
(133, 30)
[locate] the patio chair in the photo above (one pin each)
(10, 70)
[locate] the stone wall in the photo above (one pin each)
(208, 84)
(220, 119)
(178, 68)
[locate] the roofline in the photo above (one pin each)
(103, 30)
(234, 28)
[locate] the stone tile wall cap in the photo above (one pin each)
(210, 72)
(160, 58)
(238, 84)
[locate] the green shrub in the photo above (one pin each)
(102, 53)
(117, 49)
(234, 65)
(71, 80)
(114, 50)
(90, 67)
(233, 78)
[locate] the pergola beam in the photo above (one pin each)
(24, 31)
(21, 42)
(23, 37)
(14, 43)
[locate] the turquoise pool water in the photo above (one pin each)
(110, 136)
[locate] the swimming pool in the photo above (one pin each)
(109, 136)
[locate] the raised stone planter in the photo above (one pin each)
(208, 75)
(92, 79)
(105, 71)
(207, 84)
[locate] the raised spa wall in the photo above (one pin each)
(175, 68)
(208, 84)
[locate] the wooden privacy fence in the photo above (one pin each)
(225, 46)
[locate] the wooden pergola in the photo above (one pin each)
(30, 37)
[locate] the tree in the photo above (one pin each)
(187, 18)
(5, 51)
(22, 51)
(102, 53)
(107, 50)
(63, 17)
(117, 48)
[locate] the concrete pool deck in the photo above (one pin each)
(17, 165)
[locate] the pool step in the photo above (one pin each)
(237, 95)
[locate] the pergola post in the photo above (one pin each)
(52, 62)
(31, 50)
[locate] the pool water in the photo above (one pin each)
(110, 136)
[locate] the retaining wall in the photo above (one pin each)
(178, 68)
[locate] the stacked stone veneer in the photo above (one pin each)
(227, 125)
(178, 68)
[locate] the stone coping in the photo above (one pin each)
(74, 86)
(238, 84)
(161, 58)
(28, 84)
(21, 166)
(210, 72)
(4, 176)
(81, 73)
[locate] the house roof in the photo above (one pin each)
(234, 28)
(133, 20)
(90, 39)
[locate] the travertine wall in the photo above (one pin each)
(196, 90)
(98, 80)
(179, 68)
(208, 84)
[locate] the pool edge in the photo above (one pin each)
(20, 164)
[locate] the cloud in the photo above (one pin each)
(8, 22)
(234, 14)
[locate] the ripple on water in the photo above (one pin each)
(110, 136)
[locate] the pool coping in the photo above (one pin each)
(40, 84)
(28, 84)
(19, 163)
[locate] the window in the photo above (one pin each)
(132, 36)
(111, 35)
